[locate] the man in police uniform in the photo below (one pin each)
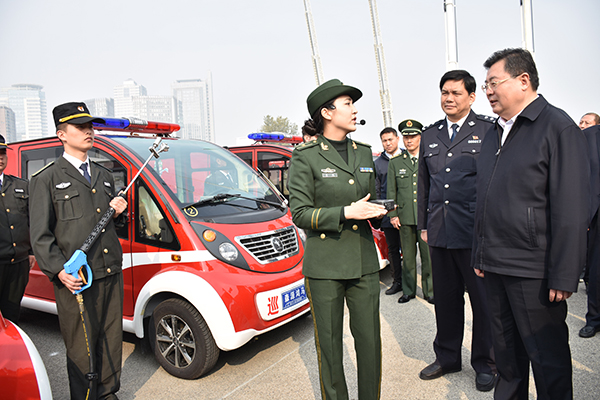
(331, 179)
(446, 201)
(402, 187)
(68, 198)
(15, 251)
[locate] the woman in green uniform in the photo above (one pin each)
(331, 181)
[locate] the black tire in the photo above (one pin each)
(182, 342)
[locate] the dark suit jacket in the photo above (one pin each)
(14, 220)
(447, 177)
(64, 208)
(534, 199)
(592, 135)
(321, 184)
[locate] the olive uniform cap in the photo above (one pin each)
(410, 127)
(73, 113)
(330, 90)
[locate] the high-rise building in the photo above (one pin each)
(8, 128)
(196, 100)
(156, 108)
(28, 102)
(101, 107)
(124, 94)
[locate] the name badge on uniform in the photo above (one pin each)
(107, 184)
(402, 172)
(433, 145)
(328, 173)
(19, 190)
(366, 169)
(63, 185)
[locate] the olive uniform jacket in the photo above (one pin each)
(64, 208)
(321, 184)
(402, 187)
(14, 220)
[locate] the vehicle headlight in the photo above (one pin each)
(228, 251)
(302, 234)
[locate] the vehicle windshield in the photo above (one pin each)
(194, 172)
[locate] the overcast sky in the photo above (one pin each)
(260, 57)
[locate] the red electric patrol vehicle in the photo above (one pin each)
(211, 257)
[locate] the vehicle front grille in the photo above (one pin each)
(267, 247)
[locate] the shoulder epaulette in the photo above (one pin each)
(432, 125)
(101, 166)
(307, 145)
(361, 143)
(43, 168)
(486, 118)
(17, 178)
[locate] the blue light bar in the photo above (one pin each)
(112, 123)
(266, 136)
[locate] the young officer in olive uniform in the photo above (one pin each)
(331, 180)
(68, 198)
(402, 187)
(15, 251)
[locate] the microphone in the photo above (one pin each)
(361, 122)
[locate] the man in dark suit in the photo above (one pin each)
(446, 199)
(533, 206)
(15, 250)
(592, 318)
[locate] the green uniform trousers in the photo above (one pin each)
(104, 313)
(327, 302)
(409, 237)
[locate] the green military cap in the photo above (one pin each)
(330, 90)
(410, 127)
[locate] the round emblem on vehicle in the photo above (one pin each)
(277, 245)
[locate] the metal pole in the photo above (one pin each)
(384, 92)
(451, 35)
(527, 26)
(314, 47)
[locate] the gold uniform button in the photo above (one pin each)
(14, 245)
(414, 183)
(355, 227)
(448, 170)
(446, 186)
(322, 236)
(414, 174)
(103, 230)
(3, 195)
(93, 190)
(415, 200)
(12, 260)
(8, 210)
(108, 270)
(449, 154)
(105, 251)
(415, 192)
(98, 210)
(12, 227)
(351, 181)
(66, 196)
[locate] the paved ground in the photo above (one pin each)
(282, 364)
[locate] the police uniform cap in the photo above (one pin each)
(328, 91)
(73, 113)
(410, 127)
(3, 144)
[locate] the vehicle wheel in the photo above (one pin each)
(182, 342)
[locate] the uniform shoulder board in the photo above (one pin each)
(486, 118)
(42, 169)
(436, 123)
(18, 179)
(101, 166)
(304, 146)
(361, 143)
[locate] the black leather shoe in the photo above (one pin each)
(434, 371)
(587, 331)
(485, 382)
(430, 300)
(405, 298)
(396, 287)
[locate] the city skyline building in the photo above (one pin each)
(157, 108)
(123, 98)
(196, 100)
(8, 128)
(28, 102)
(101, 106)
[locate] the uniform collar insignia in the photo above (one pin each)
(404, 155)
(324, 146)
(63, 185)
(354, 145)
(440, 127)
(471, 123)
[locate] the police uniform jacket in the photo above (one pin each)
(321, 184)
(447, 175)
(592, 135)
(534, 199)
(14, 220)
(402, 187)
(381, 170)
(65, 210)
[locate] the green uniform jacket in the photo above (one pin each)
(402, 187)
(64, 208)
(14, 220)
(321, 184)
